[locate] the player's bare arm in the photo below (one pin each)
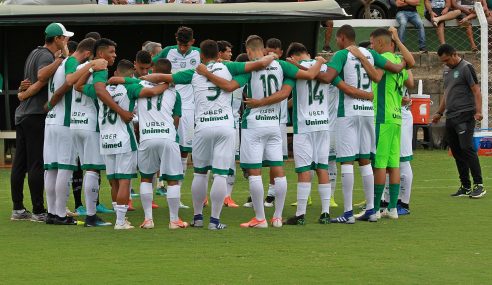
(313, 71)
(374, 74)
(407, 56)
(154, 91)
(220, 82)
(354, 92)
(276, 97)
(106, 98)
(328, 76)
(158, 78)
(262, 63)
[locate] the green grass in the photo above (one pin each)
(444, 240)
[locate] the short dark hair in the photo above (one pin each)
(223, 45)
(86, 45)
(379, 32)
(103, 43)
(162, 65)
(94, 35)
(365, 44)
(143, 57)
(209, 49)
(242, 57)
(124, 65)
(184, 34)
(254, 42)
(348, 31)
(72, 46)
(274, 43)
(296, 49)
(446, 49)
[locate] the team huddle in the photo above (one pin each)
(195, 100)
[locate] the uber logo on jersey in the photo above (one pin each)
(175, 60)
(193, 61)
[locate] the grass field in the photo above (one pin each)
(445, 241)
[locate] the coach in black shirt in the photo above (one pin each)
(463, 105)
(30, 116)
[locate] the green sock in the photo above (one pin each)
(378, 193)
(394, 190)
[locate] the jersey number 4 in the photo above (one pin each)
(314, 95)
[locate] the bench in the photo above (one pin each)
(5, 135)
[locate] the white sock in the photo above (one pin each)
(91, 191)
(406, 177)
(325, 195)
(218, 193)
(347, 186)
(173, 197)
(199, 192)
(49, 187)
(303, 191)
(114, 205)
(230, 184)
(332, 169)
(280, 187)
(386, 193)
(256, 191)
(62, 189)
(271, 190)
(368, 184)
(120, 214)
(146, 196)
(184, 162)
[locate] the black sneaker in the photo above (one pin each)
(269, 201)
(462, 192)
(95, 221)
(324, 219)
(477, 191)
(50, 219)
(21, 215)
(67, 221)
(296, 220)
(39, 218)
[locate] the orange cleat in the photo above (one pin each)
(255, 223)
(154, 205)
(228, 202)
(130, 206)
(178, 225)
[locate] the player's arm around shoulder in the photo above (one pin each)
(284, 92)
(352, 91)
(222, 83)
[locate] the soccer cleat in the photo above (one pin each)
(39, 218)
(102, 209)
(378, 215)
(255, 223)
(391, 213)
(462, 192)
(346, 218)
(367, 216)
(70, 213)
(134, 194)
(130, 206)
(402, 211)
(249, 203)
(68, 221)
(95, 221)
(147, 224)
(276, 222)
(50, 219)
(21, 215)
(81, 211)
(215, 227)
(124, 226)
(228, 202)
(333, 204)
(269, 201)
(178, 225)
(360, 204)
(161, 191)
(478, 191)
(296, 220)
(324, 219)
(183, 206)
(197, 221)
(154, 205)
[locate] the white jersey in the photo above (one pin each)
(60, 114)
(180, 62)
(156, 114)
(332, 92)
(84, 110)
(284, 111)
(310, 111)
(237, 100)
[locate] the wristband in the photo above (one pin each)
(49, 106)
(91, 70)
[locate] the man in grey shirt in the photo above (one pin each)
(30, 116)
(463, 105)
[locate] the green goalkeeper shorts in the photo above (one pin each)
(387, 146)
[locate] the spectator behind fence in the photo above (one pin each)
(467, 9)
(407, 13)
(437, 12)
(469, 13)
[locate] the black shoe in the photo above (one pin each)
(296, 220)
(50, 219)
(95, 221)
(383, 204)
(68, 221)
(462, 192)
(324, 219)
(270, 199)
(478, 191)
(249, 200)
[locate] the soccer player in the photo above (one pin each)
(183, 56)
(85, 131)
(355, 119)
(261, 142)
(213, 144)
(225, 50)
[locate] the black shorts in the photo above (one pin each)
(438, 12)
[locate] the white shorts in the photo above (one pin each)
(235, 152)
(285, 149)
(160, 155)
(406, 152)
(261, 147)
(238, 143)
(213, 149)
(310, 151)
(186, 128)
(58, 150)
(355, 138)
(121, 166)
(86, 147)
(333, 149)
